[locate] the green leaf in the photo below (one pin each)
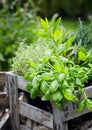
(57, 34)
(43, 34)
(58, 67)
(56, 25)
(79, 82)
(47, 76)
(82, 56)
(46, 96)
(32, 64)
(44, 24)
(44, 86)
(69, 95)
(89, 104)
(80, 90)
(68, 43)
(35, 83)
(81, 106)
(33, 93)
(46, 59)
(61, 77)
(28, 87)
(57, 96)
(54, 86)
(65, 84)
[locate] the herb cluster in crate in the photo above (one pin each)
(55, 75)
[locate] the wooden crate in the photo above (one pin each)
(4, 104)
(56, 121)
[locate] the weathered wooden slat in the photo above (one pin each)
(3, 100)
(3, 94)
(22, 83)
(13, 100)
(70, 111)
(90, 128)
(1, 113)
(36, 114)
(4, 120)
(58, 123)
(24, 128)
(2, 80)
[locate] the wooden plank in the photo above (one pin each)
(24, 128)
(1, 113)
(90, 128)
(22, 83)
(13, 101)
(4, 120)
(70, 110)
(36, 114)
(2, 79)
(3, 100)
(3, 94)
(58, 123)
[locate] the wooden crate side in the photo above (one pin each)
(36, 114)
(90, 128)
(24, 128)
(58, 123)
(70, 110)
(2, 80)
(4, 119)
(3, 100)
(13, 100)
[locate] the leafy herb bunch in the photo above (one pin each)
(57, 77)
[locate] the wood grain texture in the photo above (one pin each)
(70, 110)
(24, 128)
(2, 79)
(13, 101)
(4, 119)
(58, 123)
(36, 114)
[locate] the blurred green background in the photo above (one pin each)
(19, 19)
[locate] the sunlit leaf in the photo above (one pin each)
(68, 43)
(82, 56)
(57, 96)
(89, 104)
(44, 24)
(54, 86)
(81, 106)
(56, 24)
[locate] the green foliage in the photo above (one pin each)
(14, 28)
(27, 56)
(54, 75)
(84, 34)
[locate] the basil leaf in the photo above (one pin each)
(33, 93)
(46, 96)
(54, 86)
(57, 96)
(69, 95)
(44, 86)
(89, 104)
(81, 106)
(61, 77)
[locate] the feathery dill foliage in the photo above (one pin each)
(27, 54)
(85, 35)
